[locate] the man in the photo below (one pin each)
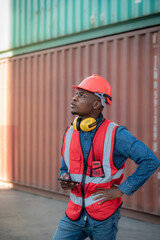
(94, 152)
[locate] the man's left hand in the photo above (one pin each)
(107, 194)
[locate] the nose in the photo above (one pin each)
(75, 98)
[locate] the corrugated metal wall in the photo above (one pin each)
(32, 21)
(6, 128)
(41, 20)
(39, 92)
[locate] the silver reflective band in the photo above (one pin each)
(107, 150)
(105, 179)
(76, 200)
(78, 178)
(67, 146)
(88, 201)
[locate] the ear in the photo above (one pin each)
(97, 105)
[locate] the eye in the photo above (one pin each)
(80, 94)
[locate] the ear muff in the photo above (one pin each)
(85, 125)
(76, 123)
(88, 124)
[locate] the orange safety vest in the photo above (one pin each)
(98, 171)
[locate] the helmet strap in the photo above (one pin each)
(103, 98)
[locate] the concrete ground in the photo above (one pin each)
(25, 216)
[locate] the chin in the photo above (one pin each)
(74, 113)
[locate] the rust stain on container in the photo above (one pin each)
(40, 89)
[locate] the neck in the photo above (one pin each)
(95, 116)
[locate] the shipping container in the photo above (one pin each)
(32, 25)
(6, 141)
(35, 106)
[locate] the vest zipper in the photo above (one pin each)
(84, 176)
(83, 179)
(83, 183)
(85, 170)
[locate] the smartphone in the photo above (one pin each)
(66, 180)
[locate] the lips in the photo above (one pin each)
(73, 105)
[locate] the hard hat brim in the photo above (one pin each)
(75, 87)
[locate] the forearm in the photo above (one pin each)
(63, 168)
(139, 177)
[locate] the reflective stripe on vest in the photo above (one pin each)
(88, 201)
(67, 145)
(107, 150)
(78, 177)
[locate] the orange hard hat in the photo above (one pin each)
(97, 84)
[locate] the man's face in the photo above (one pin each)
(82, 103)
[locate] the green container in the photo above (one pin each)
(40, 24)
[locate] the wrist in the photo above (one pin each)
(119, 193)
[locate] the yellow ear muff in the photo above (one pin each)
(85, 125)
(88, 124)
(74, 123)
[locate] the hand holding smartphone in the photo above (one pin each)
(66, 180)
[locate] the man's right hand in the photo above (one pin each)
(67, 185)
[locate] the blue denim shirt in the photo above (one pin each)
(126, 146)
